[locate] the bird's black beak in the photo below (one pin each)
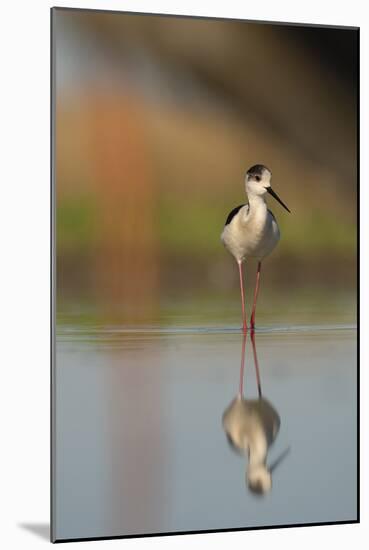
(280, 459)
(274, 194)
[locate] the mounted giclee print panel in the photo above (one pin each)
(204, 372)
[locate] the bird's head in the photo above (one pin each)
(259, 479)
(258, 179)
(257, 182)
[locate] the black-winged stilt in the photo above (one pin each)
(251, 230)
(251, 427)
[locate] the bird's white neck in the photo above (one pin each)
(258, 451)
(257, 203)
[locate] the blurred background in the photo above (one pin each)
(157, 120)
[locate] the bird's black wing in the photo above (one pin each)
(232, 214)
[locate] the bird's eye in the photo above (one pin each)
(258, 178)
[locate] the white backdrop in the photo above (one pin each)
(24, 298)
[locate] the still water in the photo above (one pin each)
(149, 439)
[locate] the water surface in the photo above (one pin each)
(140, 446)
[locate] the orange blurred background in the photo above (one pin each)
(158, 118)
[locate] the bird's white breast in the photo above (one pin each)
(253, 232)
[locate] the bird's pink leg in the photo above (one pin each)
(240, 390)
(252, 321)
(256, 363)
(244, 324)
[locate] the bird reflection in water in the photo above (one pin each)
(251, 426)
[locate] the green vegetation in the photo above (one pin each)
(194, 229)
(76, 224)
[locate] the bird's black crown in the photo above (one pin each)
(257, 170)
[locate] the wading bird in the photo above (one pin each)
(251, 427)
(251, 230)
